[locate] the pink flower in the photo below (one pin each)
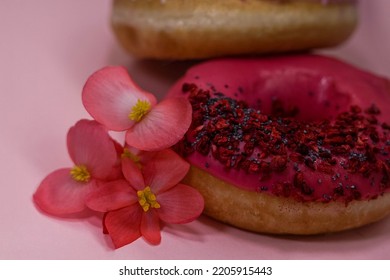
(150, 193)
(115, 101)
(95, 156)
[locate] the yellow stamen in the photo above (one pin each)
(139, 110)
(147, 199)
(136, 159)
(80, 173)
(127, 154)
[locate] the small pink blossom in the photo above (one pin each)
(95, 157)
(114, 100)
(149, 194)
(137, 187)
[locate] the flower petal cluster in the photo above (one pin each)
(64, 190)
(138, 185)
(150, 193)
(114, 100)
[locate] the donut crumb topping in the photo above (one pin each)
(243, 138)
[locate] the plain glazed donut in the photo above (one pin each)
(288, 145)
(193, 29)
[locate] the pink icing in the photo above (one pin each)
(321, 88)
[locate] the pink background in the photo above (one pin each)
(47, 50)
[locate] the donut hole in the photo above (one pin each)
(300, 94)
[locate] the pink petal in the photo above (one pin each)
(181, 204)
(59, 194)
(123, 225)
(116, 172)
(150, 227)
(132, 173)
(109, 94)
(89, 144)
(111, 196)
(162, 127)
(164, 171)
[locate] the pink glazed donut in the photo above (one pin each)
(288, 145)
(193, 29)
